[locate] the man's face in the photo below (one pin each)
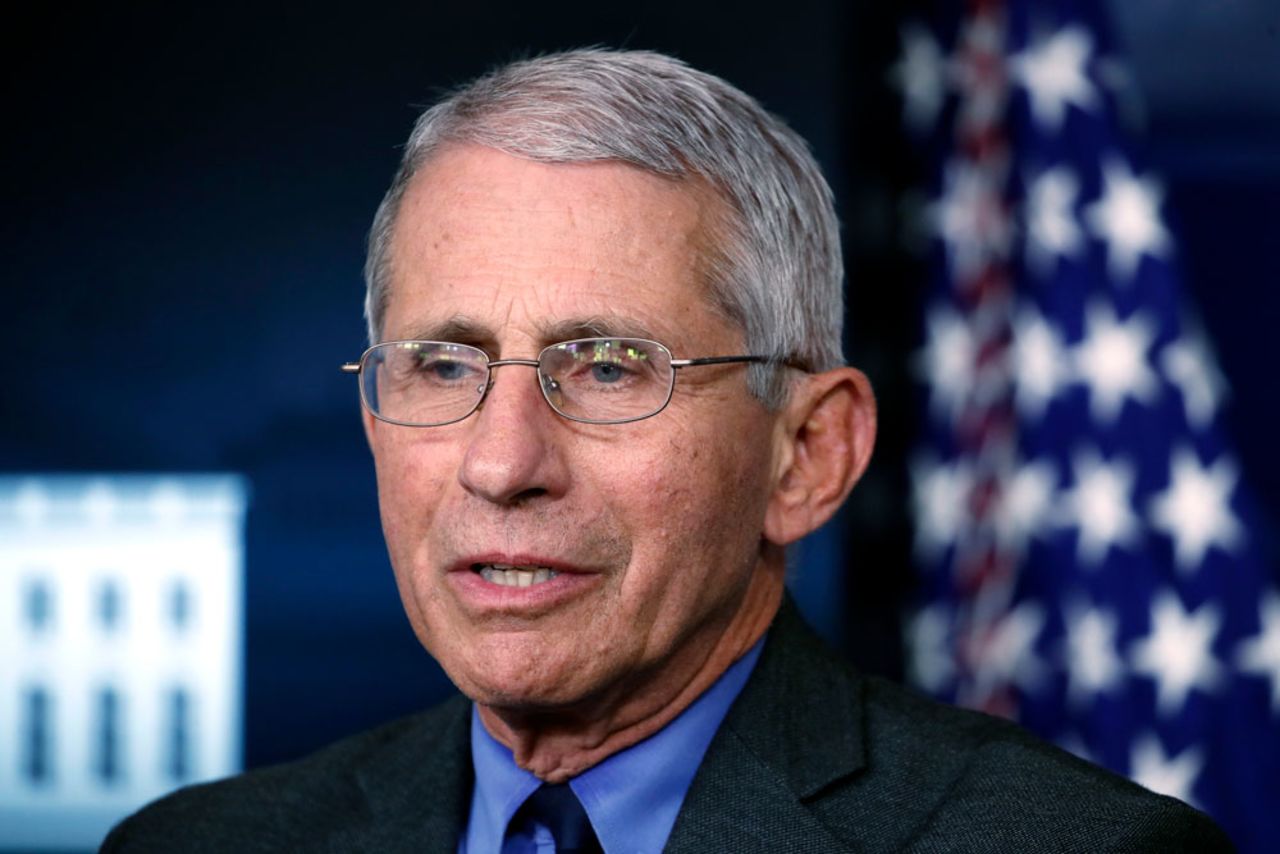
(652, 527)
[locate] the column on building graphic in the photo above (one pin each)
(121, 636)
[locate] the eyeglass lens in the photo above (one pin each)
(595, 379)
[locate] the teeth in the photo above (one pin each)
(505, 575)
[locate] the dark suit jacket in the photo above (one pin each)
(811, 758)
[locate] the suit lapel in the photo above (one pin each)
(417, 787)
(795, 730)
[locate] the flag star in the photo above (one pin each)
(1127, 217)
(940, 495)
(970, 217)
(1025, 501)
(1053, 72)
(1189, 365)
(929, 638)
(1151, 767)
(1093, 666)
(921, 75)
(1052, 230)
(1195, 508)
(948, 360)
(1260, 654)
(1112, 360)
(1177, 653)
(1099, 505)
(1008, 654)
(1039, 362)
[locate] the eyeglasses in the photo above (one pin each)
(593, 380)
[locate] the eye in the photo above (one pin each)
(607, 372)
(443, 369)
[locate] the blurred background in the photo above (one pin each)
(187, 196)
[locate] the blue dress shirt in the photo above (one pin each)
(632, 797)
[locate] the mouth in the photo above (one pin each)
(512, 575)
(518, 585)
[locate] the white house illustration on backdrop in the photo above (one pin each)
(120, 647)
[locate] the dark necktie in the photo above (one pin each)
(558, 808)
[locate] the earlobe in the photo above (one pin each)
(831, 428)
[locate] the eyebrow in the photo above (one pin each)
(461, 329)
(595, 326)
(458, 329)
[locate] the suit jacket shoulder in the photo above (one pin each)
(814, 757)
(811, 758)
(402, 786)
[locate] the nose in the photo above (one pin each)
(513, 455)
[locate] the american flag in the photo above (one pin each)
(1089, 556)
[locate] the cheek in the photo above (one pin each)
(411, 479)
(697, 533)
(716, 473)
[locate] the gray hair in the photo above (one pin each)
(778, 274)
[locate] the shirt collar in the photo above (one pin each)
(632, 797)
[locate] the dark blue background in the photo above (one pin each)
(187, 194)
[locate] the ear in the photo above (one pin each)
(829, 426)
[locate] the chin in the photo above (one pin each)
(528, 679)
(526, 698)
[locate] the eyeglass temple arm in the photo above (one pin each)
(726, 360)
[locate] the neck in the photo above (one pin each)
(558, 745)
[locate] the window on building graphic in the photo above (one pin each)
(109, 605)
(178, 760)
(38, 604)
(106, 760)
(179, 605)
(37, 736)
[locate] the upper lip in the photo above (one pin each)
(468, 562)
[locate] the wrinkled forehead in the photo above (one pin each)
(490, 240)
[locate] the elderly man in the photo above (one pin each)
(605, 393)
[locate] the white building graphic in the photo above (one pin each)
(121, 639)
